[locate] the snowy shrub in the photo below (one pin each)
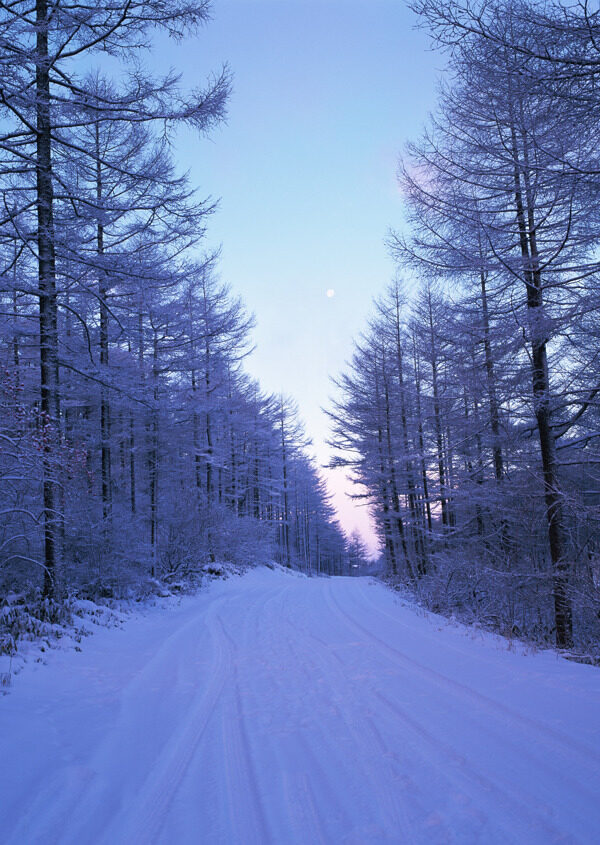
(31, 617)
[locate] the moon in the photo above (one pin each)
(330, 293)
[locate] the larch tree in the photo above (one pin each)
(43, 45)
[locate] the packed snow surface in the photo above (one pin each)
(282, 709)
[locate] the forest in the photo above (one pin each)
(469, 413)
(134, 448)
(184, 657)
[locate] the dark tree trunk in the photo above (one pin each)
(437, 419)
(196, 436)
(256, 487)
(106, 459)
(48, 321)
(541, 398)
(153, 460)
(208, 431)
(491, 385)
(421, 438)
(387, 521)
(418, 526)
(131, 464)
(393, 483)
(15, 315)
(286, 524)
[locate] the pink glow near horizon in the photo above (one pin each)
(353, 516)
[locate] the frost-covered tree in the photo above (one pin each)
(44, 99)
(133, 443)
(502, 199)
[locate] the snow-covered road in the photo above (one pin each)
(280, 709)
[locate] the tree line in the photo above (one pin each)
(469, 413)
(132, 442)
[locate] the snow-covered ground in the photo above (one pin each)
(280, 709)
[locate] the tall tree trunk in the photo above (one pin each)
(48, 319)
(541, 397)
(387, 522)
(491, 384)
(255, 486)
(437, 417)
(410, 481)
(106, 460)
(383, 483)
(393, 483)
(318, 552)
(234, 497)
(153, 459)
(449, 462)
(15, 315)
(477, 475)
(421, 437)
(132, 502)
(208, 431)
(286, 515)
(196, 436)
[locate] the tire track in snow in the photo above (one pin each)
(232, 730)
(277, 716)
(54, 809)
(470, 772)
(352, 699)
(243, 781)
(312, 824)
(144, 819)
(218, 789)
(296, 818)
(520, 744)
(402, 768)
(495, 795)
(569, 744)
(67, 808)
(348, 732)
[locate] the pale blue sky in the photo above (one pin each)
(325, 96)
